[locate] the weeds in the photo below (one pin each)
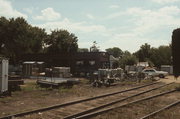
(63, 89)
(29, 87)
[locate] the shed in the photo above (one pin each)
(32, 67)
(167, 68)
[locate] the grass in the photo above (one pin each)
(6, 99)
(85, 81)
(29, 86)
(63, 89)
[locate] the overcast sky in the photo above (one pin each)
(126, 24)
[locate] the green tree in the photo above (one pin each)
(18, 38)
(115, 51)
(127, 59)
(161, 55)
(37, 40)
(61, 41)
(94, 47)
(16, 42)
(3, 32)
(143, 54)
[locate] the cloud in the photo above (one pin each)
(152, 26)
(7, 10)
(155, 26)
(29, 10)
(73, 26)
(165, 1)
(114, 6)
(125, 41)
(86, 32)
(48, 14)
(89, 16)
(115, 15)
(151, 20)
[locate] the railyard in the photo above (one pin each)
(128, 100)
(50, 70)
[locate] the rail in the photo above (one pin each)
(73, 102)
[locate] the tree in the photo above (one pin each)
(38, 37)
(18, 38)
(115, 51)
(127, 59)
(16, 41)
(161, 56)
(3, 32)
(94, 47)
(61, 41)
(143, 54)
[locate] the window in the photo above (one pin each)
(79, 62)
(149, 71)
(92, 63)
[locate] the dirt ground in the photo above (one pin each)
(31, 96)
(169, 79)
(136, 111)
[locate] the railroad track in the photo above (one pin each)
(134, 103)
(104, 111)
(160, 110)
(91, 105)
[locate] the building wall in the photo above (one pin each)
(167, 68)
(72, 60)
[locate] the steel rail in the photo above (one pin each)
(113, 102)
(86, 116)
(73, 102)
(160, 110)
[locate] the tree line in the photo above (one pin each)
(18, 37)
(154, 56)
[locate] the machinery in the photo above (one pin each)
(106, 77)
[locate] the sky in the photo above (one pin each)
(126, 24)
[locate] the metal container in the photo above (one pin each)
(102, 72)
(62, 72)
(27, 68)
(32, 68)
(3, 75)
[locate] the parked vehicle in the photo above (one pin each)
(153, 72)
